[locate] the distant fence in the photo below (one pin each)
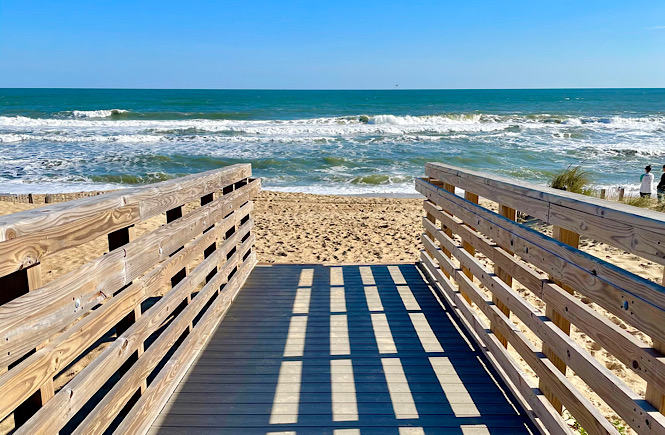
(153, 299)
(46, 198)
(552, 268)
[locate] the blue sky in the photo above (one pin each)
(361, 44)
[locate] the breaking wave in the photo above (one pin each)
(97, 113)
(346, 154)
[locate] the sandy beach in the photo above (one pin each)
(305, 228)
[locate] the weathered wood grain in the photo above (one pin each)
(518, 270)
(144, 412)
(98, 420)
(643, 360)
(52, 236)
(613, 288)
(33, 318)
(58, 320)
(570, 238)
(17, 384)
(636, 230)
(29, 236)
(64, 405)
(534, 398)
(610, 388)
(591, 419)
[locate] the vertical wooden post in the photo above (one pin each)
(116, 240)
(210, 249)
(603, 193)
(430, 217)
(572, 239)
(171, 215)
(472, 197)
(654, 396)
(622, 191)
(508, 213)
(26, 280)
(448, 188)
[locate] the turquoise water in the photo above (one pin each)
(343, 142)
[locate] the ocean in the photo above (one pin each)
(329, 142)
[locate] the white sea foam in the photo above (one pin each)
(97, 113)
(50, 150)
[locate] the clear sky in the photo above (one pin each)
(360, 44)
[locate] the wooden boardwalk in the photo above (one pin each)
(344, 350)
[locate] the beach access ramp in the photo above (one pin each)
(169, 325)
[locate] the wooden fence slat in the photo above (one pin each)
(471, 197)
(80, 389)
(98, 420)
(636, 355)
(117, 239)
(146, 410)
(636, 230)
(51, 236)
(443, 186)
(655, 394)
(578, 405)
(508, 213)
(643, 360)
(31, 404)
(571, 239)
(29, 236)
(517, 270)
(609, 387)
(605, 283)
(45, 328)
(584, 410)
(32, 318)
(628, 296)
(66, 347)
(498, 355)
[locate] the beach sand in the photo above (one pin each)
(304, 228)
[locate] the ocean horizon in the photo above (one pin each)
(349, 142)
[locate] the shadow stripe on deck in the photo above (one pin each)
(304, 350)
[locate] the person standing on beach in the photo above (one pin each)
(660, 189)
(647, 182)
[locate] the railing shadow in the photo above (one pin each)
(344, 350)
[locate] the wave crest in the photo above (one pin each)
(104, 113)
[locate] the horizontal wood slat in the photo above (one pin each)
(25, 378)
(635, 300)
(608, 285)
(146, 410)
(581, 408)
(79, 390)
(28, 237)
(32, 318)
(533, 397)
(45, 330)
(643, 360)
(108, 408)
(636, 230)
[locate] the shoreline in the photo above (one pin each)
(46, 198)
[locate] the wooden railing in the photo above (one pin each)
(553, 269)
(152, 301)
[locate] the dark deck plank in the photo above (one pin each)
(232, 387)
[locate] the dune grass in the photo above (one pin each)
(574, 180)
(637, 201)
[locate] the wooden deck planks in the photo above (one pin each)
(243, 382)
